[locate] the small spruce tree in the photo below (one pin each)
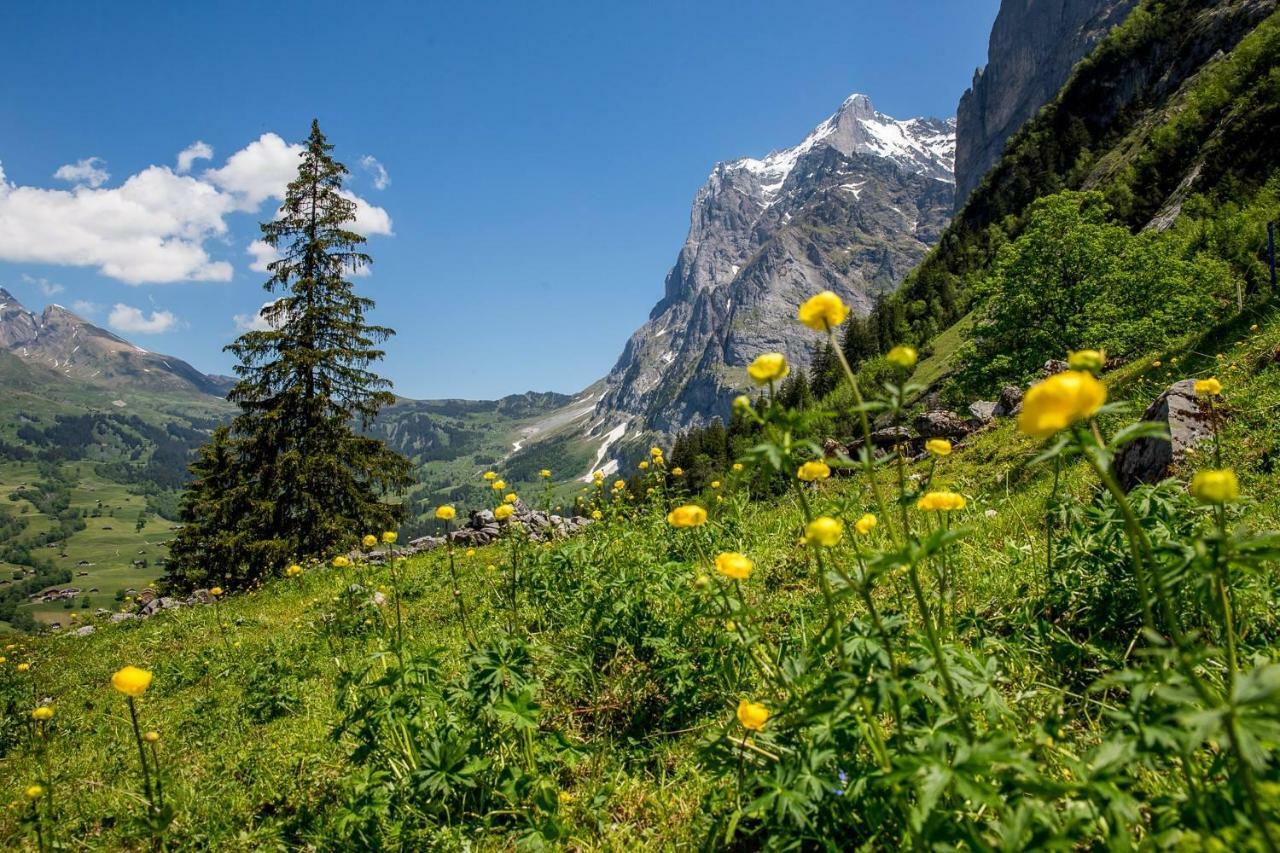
(295, 476)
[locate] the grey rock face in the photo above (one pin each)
(1010, 402)
(1149, 460)
(1034, 45)
(983, 411)
(851, 209)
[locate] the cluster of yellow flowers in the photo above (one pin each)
(940, 501)
(689, 515)
(734, 565)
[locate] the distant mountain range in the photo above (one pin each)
(68, 344)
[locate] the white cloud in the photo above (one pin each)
(88, 309)
(87, 172)
(255, 322)
(126, 318)
(257, 172)
(195, 151)
(263, 254)
(381, 180)
(155, 226)
(48, 288)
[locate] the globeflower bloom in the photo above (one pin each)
(742, 403)
(737, 466)
(446, 513)
(903, 356)
(509, 498)
(655, 452)
(490, 475)
(619, 484)
(131, 681)
(503, 512)
(813, 470)
(938, 446)
(34, 792)
(1208, 387)
(293, 571)
(498, 485)
(940, 501)
(689, 515)
(1059, 401)
(734, 565)
(1215, 486)
(43, 714)
(865, 524)
(769, 367)
(152, 736)
(1092, 360)
(824, 530)
(22, 667)
(341, 562)
(752, 715)
(677, 472)
(545, 473)
(823, 312)
(216, 591)
(369, 540)
(597, 514)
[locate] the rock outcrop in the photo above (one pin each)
(1150, 460)
(852, 208)
(1034, 45)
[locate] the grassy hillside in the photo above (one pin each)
(600, 710)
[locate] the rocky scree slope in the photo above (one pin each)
(852, 208)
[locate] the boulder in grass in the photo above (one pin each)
(1010, 402)
(942, 424)
(983, 411)
(1149, 459)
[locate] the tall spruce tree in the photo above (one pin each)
(295, 477)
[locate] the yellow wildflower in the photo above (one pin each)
(940, 501)
(152, 737)
(619, 484)
(1059, 401)
(737, 466)
(597, 514)
(938, 446)
(824, 311)
(44, 713)
(769, 367)
(545, 473)
(865, 524)
(655, 451)
(677, 472)
(644, 465)
(22, 667)
(498, 485)
(446, 513)
(369, 540)
(341, 562)
(734, 565)
(293, 571)
(715, 484)
(689, 515)
(742, 403)
(1208, 387)
(903, 356)
(752, 715)
(216, 591)
(503, 512)
(389, 537)
(1216, 486)
(34, 792)
(814, 469)
(1092, 360)
(471, 552)
(509, 498)
(824, 530)
(131, 681)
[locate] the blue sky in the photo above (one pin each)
(540, 158)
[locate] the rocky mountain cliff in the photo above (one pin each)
(74, 347)
(1034, 45)
(851, 209)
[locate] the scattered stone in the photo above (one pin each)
(123, 617)
(983, 411)
(85, 630)
(1052, 367)
(1010, 402)
(942, 424)
(1149, 460)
